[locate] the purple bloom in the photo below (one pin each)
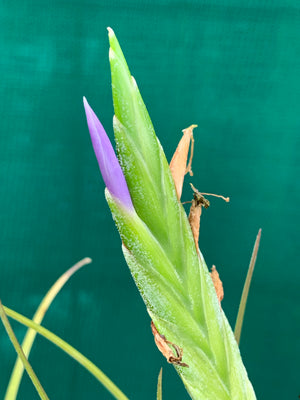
(109, 165)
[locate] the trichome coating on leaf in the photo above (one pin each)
(163, 346)
(160, 250)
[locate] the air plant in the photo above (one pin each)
(160, 245)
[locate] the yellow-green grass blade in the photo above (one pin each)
(21, 354)
(18, 370)
(159, 386)
(245, 293)
(71, 351)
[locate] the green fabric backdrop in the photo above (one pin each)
(232, 67)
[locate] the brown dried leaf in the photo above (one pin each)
(195, 214)
(217, 283)
(163, 346)
(194, 220)
(178, 164)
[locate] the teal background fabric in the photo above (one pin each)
(232, 67)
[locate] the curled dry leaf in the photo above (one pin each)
(178, 165)
(194, 220)
(163, 346)
(217, 283)
(196, 210)
(195, 214)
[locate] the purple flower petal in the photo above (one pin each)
(109, 165)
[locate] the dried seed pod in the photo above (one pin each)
(178, 165)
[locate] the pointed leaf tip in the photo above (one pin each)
(108, 163)
(110, 31)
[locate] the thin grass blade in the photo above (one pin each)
(21, 354)
(71, 351)
(245, 293)
(159, 386)
(17, 373)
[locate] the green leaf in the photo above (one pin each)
(18, 348)
(17, 373)
(159, 386)
(149, 178)
(71, 351)
(142, 159)
(245, 293)
(159, 248)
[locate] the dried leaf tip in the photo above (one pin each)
(199, 198)
(189, 131)
(163, 346)
(227, 199)
(196, 211)
(200, 195)
(110, 31)
(195, 214)
(179, 164)
(217, 283)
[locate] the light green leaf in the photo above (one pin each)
(159, 386)
(18, 348)
(71, 351)
(160, 251)
(245, 293)
(17, 373)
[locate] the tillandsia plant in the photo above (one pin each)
(143, 193)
